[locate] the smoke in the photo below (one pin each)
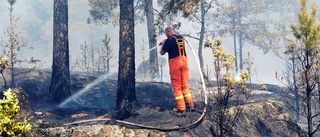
(36, 25)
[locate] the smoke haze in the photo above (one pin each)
(35, 24)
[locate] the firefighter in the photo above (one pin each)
(174, 45)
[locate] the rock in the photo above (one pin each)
(93, 130)
(79, 115)
(24, 103)
(266, 118)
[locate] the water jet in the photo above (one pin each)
(75, 97)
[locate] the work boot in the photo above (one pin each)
(191, 109)
(178, 112)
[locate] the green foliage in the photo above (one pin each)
(174, 7)
(107, 11)
(305, 47)
(9, 108)
(104, 11)
(220, 55)
(187, 6)
(4, 64)
(304, 53)
(307, 30)
(226, 60)
(244, 77)
(225, 104)
(264, 87)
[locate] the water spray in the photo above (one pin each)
(75, 96)
(152, 49)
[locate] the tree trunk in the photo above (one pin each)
(308, 98)
(126, 97)
(240, 43)
(295, 88)
(307, 76)
(235, 43)
(309, 113)
(240, 52)
(4, 79)
(153, 55)
(108, 66)
(60, 80)
(93, 60)
(12, 85)
(12, 46)
(235, 51)
(201, 39)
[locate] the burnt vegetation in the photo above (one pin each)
(231, 104)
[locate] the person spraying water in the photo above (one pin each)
(161, 128)
(174, 45)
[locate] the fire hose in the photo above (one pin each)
(186, 127)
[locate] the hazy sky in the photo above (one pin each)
(35, 24)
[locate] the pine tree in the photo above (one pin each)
(306, 48)
(126, 94)
(14, 44)
(60, 79)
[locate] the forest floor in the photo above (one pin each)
(155, 101)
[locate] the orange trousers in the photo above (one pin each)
(179, 73)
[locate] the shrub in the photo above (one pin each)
(225, 109)
(264, 87)
(9, 108)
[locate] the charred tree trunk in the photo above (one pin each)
(126, 97)
(309, 91)
(60, 80)
(153, 55)
(308, 94)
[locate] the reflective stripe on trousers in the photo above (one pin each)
(179, 73)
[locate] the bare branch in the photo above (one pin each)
(188, 35)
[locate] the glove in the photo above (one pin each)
(162, 42)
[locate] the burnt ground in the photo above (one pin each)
(155, 101)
